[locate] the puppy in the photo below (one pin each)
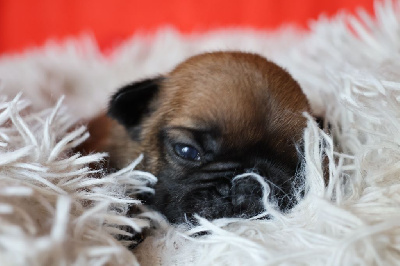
(216, 115)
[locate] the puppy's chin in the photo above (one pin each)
(240, 198)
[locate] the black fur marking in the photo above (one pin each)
(206, 187)
(131, 102)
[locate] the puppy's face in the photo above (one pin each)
(215, 116)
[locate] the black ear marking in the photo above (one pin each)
(131, 102)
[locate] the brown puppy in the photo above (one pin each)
(215, 116)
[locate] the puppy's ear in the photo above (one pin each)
(132, 101)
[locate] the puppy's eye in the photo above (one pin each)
(187, 152)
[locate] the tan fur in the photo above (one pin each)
(247, 96)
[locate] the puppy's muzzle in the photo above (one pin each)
(218, 194)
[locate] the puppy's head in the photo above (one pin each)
(213, 117)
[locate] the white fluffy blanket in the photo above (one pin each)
(53, 211)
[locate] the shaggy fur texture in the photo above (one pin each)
(54, 211)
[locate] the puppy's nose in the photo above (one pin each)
(246, 192)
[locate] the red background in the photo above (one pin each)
(26, 23)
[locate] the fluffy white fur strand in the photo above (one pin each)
(53, 210)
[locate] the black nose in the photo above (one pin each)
(246, 195)
(247, 192)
